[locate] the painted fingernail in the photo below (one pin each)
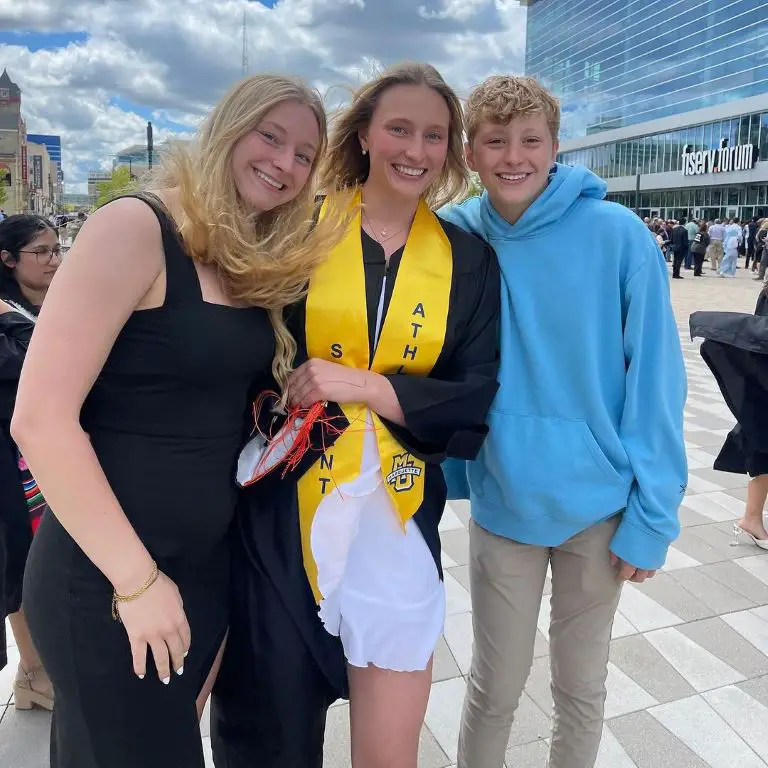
(186, 653)
(166, 680)
(180, 670)
(141, 677)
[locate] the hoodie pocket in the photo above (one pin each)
(539, 465)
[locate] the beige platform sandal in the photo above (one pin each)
(32, 689)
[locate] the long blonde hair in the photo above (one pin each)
(345, 166)
(263, 259)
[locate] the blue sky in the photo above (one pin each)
(37, 41)
(96, 72)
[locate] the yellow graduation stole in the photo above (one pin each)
(410, 342)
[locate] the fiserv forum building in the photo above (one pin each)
(672, 94)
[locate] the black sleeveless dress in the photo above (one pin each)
(165, 418)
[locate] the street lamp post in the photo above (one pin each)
(637, 189)
(149, 145)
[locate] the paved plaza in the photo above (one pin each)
(688, 673)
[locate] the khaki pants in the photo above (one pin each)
(715, 254)
(507, 582)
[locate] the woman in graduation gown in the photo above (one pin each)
(338, 582)
(736, 350)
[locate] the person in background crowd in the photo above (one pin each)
(666, 239)
(680, 247)
(734, 237)
(30, 254)
(742, 246)
(699, 248)
(751, 236)
(692, 228)
(716, 250)
(761, 249)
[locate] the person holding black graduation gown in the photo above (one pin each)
(15, 531)
(30, 254)
(337, 580)
(736, 350)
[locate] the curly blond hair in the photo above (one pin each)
(345, 166)
(500, 98)
(263, 259)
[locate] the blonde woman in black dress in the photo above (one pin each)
(130, 414)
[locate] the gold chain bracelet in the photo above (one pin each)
(138, 593)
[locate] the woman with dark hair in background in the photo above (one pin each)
(736, 349)
(30, 254)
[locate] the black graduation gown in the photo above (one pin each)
(15, 531)
(282, 670)
(736, 351)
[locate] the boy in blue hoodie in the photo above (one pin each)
(584, 467)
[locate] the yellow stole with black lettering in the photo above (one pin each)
(410, 342)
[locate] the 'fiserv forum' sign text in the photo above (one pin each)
(740, 158)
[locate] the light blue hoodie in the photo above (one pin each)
(588, 419)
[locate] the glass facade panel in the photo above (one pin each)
(764, 136)
(621, 62)
(652, 153)
(699, 142)
(743, 130)
(669, 152)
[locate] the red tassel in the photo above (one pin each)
(302, 441)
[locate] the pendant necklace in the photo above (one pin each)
(382, 236)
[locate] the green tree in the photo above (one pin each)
(476, 187)
(3, 187)
(120, 182)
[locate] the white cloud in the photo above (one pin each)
(461, 10)
(170, 60)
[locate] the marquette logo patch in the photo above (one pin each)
(403, 473)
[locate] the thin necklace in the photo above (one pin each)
(382, 236)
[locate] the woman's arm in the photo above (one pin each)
(114, 267)
(318, 380)
(445, 413)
